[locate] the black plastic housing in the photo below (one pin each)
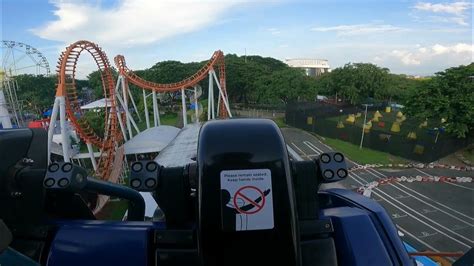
(144, 175)
(65, 176)
(332, 167)
(245, 144)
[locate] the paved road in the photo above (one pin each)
(432, 216)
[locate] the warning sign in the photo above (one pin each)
(247, 200)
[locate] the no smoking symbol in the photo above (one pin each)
(242, 194)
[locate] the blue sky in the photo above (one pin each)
(412, 37)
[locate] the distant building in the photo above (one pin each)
(312, 67)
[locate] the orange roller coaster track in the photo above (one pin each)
(217, 60)
(66, 88)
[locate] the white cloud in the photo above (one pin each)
(461, 52)
(377, 59)
(131, 22)
(359, 29)
(458, 48)
(456, 8)
(406, 57)
(455, 12)
(460, 21)
(274, 31)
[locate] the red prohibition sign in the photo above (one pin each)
(257, 206)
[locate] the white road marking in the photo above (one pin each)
(318, 140)
(425, 197)
(416, 238)
(426, 234)
(293, 153)
(298, 148)
(411, 215)
(313, 147)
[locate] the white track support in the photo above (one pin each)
(156, 114)
(218, 104)
(221, 94)
(133, 103)
(64, 133)
(196, 107)
(52, 124)
(129, 116)
(4, 115)
(13, 103)
(20, 110)
(122, 127)
(209, 97)
(213, 109)
(91, 155)
(125, 106)
(183, 103)
(109, 119)
(147, 115)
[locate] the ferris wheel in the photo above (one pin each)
(20, 58)
(17, 58)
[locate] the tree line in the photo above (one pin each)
(263, 80)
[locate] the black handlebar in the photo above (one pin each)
(72, 178)
(136, 209)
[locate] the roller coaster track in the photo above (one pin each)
(66, 87)
(217, 60)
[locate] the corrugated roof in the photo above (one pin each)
(153, 139)
(183, 149)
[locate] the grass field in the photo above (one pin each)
(169, 119)
(114, 210)
(364, 155)
(280, 121)
(469, 154)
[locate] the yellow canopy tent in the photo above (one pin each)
(395, 127)
(412, 135)
(424, 124)
(351, 119)
(367, 127)
(340, 124)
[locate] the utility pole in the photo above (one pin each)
(363, 125)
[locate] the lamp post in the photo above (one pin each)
(363, 125)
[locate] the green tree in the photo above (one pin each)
(398, 88)
(284, 86)
(36, 92)
(95, 83)
(242, 74)
(356, 82)
(448, 95)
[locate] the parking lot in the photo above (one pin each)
(431, 216)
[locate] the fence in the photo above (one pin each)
(429, 145)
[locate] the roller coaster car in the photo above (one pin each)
(244, 202)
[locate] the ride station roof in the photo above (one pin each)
(183, 149)
(153, 139)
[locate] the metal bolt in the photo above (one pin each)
(79, 178)
(16, 194)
